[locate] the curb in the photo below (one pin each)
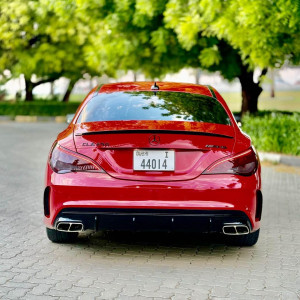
(280, 159)
(6, 118)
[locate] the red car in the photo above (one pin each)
(142, 156)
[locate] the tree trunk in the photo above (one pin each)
(69, 90)
(134, 76)
(272, 94)
(20, 85)
(197, 76)
(52, 90)
(250, 90)
(29, 88)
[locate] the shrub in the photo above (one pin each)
(274, 132)
(38, 108)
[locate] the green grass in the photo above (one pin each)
(274, 131)
(37, 108)
(284, 101)
(77, 97)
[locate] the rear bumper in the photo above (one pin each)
(201, 204)
(206, 221)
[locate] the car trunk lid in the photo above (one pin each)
(195, 145)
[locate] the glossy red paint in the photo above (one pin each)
(114, 151)
(228, 192)
(186, 188)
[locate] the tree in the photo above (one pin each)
(53, 38)
(43, 40)
(232, 37)
(131, 35)
(163, 36)
(261, 33)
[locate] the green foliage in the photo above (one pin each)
(43, 37)
(131, 35)
(274, 132)
(145, 36)
(53, 38)
(38, 108)
(210, 57)
(264, 32)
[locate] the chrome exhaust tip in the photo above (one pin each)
(235, 229)
(69, 227)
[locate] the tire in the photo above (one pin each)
(246, 240)
(56, 236)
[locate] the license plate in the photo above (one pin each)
(154, 160)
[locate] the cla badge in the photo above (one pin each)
(154, 140)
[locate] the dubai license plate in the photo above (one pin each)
(154, 160)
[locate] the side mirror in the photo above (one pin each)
(69, 118)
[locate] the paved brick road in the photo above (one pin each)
(136, 266)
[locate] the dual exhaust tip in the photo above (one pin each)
(235, 229)
(69, 227)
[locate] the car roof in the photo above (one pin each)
(163, 86)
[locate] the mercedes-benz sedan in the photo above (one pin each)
(146, 156)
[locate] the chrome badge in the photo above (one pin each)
(154, 140)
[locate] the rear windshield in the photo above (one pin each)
(164, 106)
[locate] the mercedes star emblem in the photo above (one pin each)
(154, 140)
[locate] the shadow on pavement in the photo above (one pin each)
(143, 240)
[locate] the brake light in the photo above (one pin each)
(63, 161)
(244, 163)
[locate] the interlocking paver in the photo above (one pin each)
(17, 293)
(136, 266)
(41, 289)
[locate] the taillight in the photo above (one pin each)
(63, 160)
(244, 163)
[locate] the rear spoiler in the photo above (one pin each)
(134, 131)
